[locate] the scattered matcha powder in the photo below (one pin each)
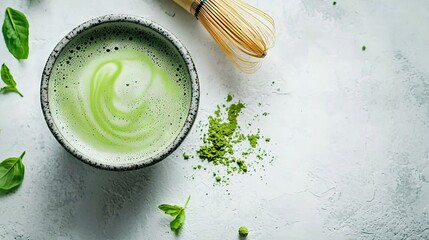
(218, 142)
(242, 167)
(363, 48)
(224, 143)
(186, 156)
(253, 140)
(243, 231)
(334, 3)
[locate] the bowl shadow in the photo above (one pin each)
(98, 204)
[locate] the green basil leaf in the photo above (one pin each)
(177, 211)
(178, 222)
(15, 32)
(11, 173)
(172, 210)
(7, 89)
(8, 80)
(10, 89)
(6, 76)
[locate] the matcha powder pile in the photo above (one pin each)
(225, 145)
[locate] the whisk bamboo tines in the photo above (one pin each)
(243, 32)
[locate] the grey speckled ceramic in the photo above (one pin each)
(118, 19)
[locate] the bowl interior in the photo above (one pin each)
(120, 92)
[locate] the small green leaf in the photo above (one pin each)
(172, 210)
(7, 89)
(11, 173)
(10, 89)
(178, 222)
(177, 211)
(7, 78)
(15, 32)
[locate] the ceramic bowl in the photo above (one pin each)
(120, 19)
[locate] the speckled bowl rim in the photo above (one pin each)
(115, 18)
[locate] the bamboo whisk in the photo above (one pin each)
(243, 32)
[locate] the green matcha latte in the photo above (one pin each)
(119, 93)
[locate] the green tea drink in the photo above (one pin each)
(119, 94)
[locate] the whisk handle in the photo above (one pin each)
(185, 4)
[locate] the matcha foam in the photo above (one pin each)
(119, 93)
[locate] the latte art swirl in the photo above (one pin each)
(126, 97)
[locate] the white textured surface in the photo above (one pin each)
(349, 128)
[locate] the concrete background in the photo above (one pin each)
(349, 129)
